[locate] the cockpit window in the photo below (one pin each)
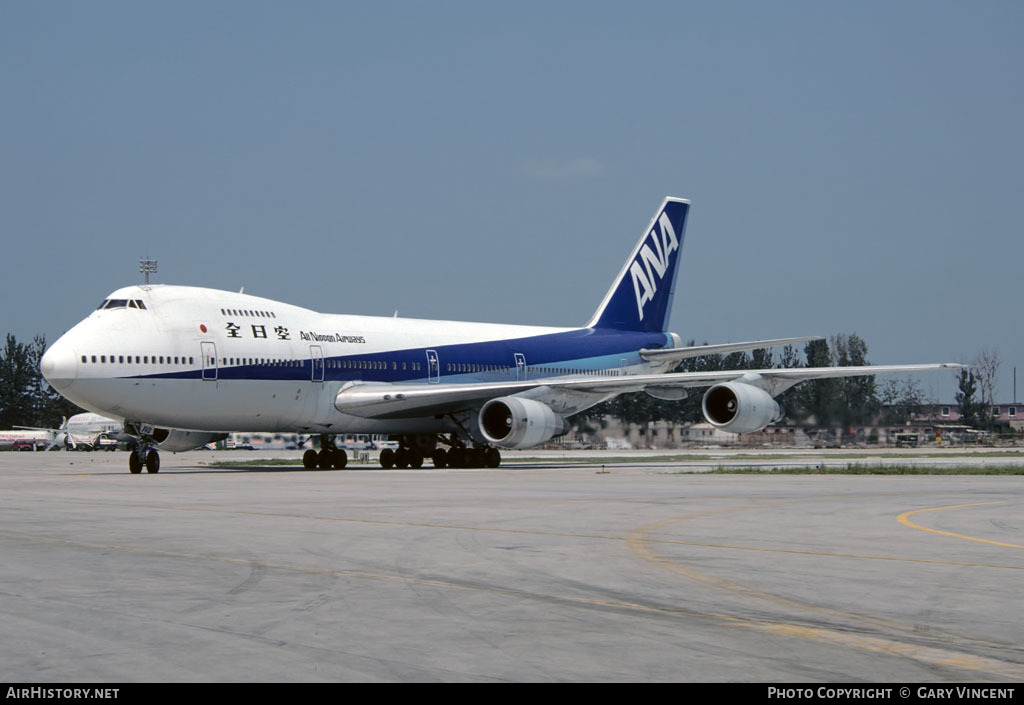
(122, 303)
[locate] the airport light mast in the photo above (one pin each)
(147, 267)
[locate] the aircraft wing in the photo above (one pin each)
(652, 355)
(374, 400)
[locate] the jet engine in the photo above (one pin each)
(740, 408)
(515, 422)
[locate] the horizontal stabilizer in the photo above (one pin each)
(659, 355)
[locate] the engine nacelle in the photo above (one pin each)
(176, 440)
(740, 408)
(514, 422)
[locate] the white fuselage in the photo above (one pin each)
(204, 359)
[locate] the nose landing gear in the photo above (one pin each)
(144, 456)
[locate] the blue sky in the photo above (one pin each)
(853, 167)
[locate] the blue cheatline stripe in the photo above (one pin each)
(584, 348)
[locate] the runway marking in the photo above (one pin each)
(641, 544)
(936, 656)
(564, 534)
(904, 519)
(927, 654)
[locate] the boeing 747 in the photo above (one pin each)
(185, 366)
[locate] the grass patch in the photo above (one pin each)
(864, 469)
(268, 461)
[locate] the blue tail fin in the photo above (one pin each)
(641, 297)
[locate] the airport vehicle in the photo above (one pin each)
(9, 438)
(907, 439)
(185, 366)
(23, 445)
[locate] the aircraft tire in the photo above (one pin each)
(492, 458)
(152, 462)
(457, 458)
(340, 459)
(387, 458)
(440, 458)
(309, 459)
(325, 459)
(134, 463)
(415, 459)
(402, 458)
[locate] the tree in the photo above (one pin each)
(16, 381)
(987, 364)
(901, 399)
(818, 397)
(858, 402)
(761, 359)
(792, 399)
(25, 398)
(970, 409)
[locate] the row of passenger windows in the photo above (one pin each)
(469, 367)
(247, 312)
(544, 371)
(332, 364)
(122, 303)
(267, 362)
(372, 365)
(139, 359)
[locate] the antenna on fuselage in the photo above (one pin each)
(147, 267)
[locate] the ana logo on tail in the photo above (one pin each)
(640, 298)
(651, 262)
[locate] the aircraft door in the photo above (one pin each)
(316, 355)
(208, 350)
(520, 367)
(433, 367)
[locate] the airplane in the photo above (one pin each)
(85, 430)
(185, 366)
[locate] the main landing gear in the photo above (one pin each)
(329, 456)
(412, 450)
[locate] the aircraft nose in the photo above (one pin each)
(59, 365)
